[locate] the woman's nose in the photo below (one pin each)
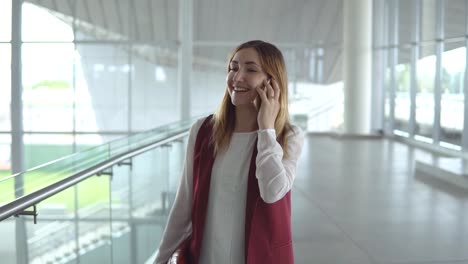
(238, 76)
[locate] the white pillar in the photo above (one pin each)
(465, 120)
(17, 156)
(185, 58)
(357, 65)
(379, 62)
(17, 146)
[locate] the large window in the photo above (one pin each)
(48, 87)
(387, 94)
(42, 148)
(5, 91)
(39, 24)
(424, 29)
(402, 91)
(452, 101)
(154, 86)
(102, 74)
(5, 64)
(98, 69)
(317, 74)
(210, 78)
(5, 86)
(5, 21)
(5, 160)
(426, 66)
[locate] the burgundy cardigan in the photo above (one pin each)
(267, 226)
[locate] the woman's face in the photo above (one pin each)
(245, 74)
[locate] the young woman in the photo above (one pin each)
(233, 204)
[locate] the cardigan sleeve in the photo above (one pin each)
(179, 225)
(276, 174)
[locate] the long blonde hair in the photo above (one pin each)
(272, 63)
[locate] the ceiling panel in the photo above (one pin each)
(294, 24)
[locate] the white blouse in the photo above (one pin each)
(223, 237)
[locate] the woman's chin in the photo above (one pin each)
(242, 103)
(242, 100)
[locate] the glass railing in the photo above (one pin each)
(115, 217)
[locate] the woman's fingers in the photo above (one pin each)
(271, 91)
(262, 93)
(276, 89)
(268, 89)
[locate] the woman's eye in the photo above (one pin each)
(251, 70)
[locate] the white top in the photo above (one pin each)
(223, 237)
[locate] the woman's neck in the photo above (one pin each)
(246, 118)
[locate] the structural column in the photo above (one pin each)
(17, 146)
(185, 58)
(465, 90)
(379, 62)
(436, 130)
(357, 65)
(17, 163)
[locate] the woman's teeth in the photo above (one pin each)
(240, 89)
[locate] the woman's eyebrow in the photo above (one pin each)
(251, 62)
(247, 62)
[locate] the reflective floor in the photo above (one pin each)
(360, 202)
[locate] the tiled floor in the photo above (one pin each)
(359, 202)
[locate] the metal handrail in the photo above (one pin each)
(24, 202)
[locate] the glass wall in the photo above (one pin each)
(426, 67)
(48, 91)
(387, 87)
(102, 75)
(90, 72)
(5, 21)
(312, 71)
(5, 87)
(403, 67)
(402, 90)
(154, 94)
(453, 97)
(94, 71)
(5, 150)
(424, 28)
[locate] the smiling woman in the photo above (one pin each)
(240, 163)
(244, 76)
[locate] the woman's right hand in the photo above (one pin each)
(270, 104)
